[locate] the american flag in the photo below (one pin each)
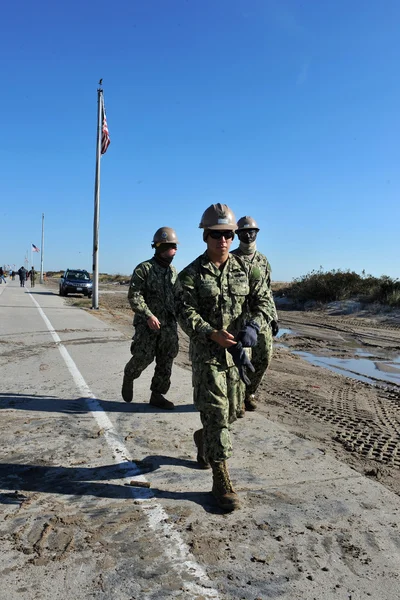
(105, 137)
(35, 248)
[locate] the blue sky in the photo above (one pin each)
(286, 110)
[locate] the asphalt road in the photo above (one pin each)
(73, 527)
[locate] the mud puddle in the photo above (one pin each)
(364, 366)
(284, 331)
(363, 369)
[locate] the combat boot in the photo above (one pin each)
(241, 412)
(158, 400)
(127, 389)
(201, 459)
(222, 489)
(250, 402)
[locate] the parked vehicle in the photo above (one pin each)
(75, 281)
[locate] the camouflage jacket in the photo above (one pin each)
(151, 292)
(208, 299)
(261, 261)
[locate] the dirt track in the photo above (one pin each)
(357, 422)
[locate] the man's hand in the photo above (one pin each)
(223, 338)
(275, 328)
(242, 362)
(153, 323)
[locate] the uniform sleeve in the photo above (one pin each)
(268, 271)
(186, 306)
(273, 310)
(261, 303)
(136, 292)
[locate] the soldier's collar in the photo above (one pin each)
(206, 263)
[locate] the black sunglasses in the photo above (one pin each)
(217, 235)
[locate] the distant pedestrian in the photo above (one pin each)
(22, 272)
(2, 278)
(32, 275)
(13, 275)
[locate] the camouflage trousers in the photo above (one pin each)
(217, 392)
(261, 356)
(147, 345)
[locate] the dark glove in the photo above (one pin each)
(275, 328)
(248, 335)
(241, 361)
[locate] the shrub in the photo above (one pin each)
(388, 291)
(340, 285)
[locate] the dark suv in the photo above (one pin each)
(75, 281)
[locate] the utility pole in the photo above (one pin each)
(42, 251)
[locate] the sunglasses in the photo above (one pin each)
(217, 235)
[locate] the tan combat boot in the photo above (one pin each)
(241, 412)
(250, 402)
(222, 488)
(127, 389)
(201, 459)
(158, 400)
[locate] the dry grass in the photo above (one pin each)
(277, 286)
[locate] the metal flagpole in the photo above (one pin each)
(42, 251)
(95, 293)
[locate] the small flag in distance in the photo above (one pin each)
(35, 248)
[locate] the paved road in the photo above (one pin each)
(310, 527)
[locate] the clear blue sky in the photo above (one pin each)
(286, 110)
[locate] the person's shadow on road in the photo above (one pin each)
(157, 461)
(30, 402)
(90, 481)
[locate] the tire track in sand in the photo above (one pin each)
(370, 427)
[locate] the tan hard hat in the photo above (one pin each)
(218, 216)
(247, 223)
(165, 235)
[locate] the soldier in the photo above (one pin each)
(33, 275)
(262, 353)
(156, 336)
(221, 304)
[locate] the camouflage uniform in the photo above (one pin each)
(262, 353)
(151, 293)
(209, 299)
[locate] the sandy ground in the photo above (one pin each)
(354, 421)
(310, 527)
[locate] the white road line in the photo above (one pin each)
(173, 545)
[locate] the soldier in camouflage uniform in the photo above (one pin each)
(216, 295)
(262, 353)
(152, 300)
(33, 276)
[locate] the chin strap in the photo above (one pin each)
(248, 249)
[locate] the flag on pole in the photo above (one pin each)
(35, 248)
(105, 137)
